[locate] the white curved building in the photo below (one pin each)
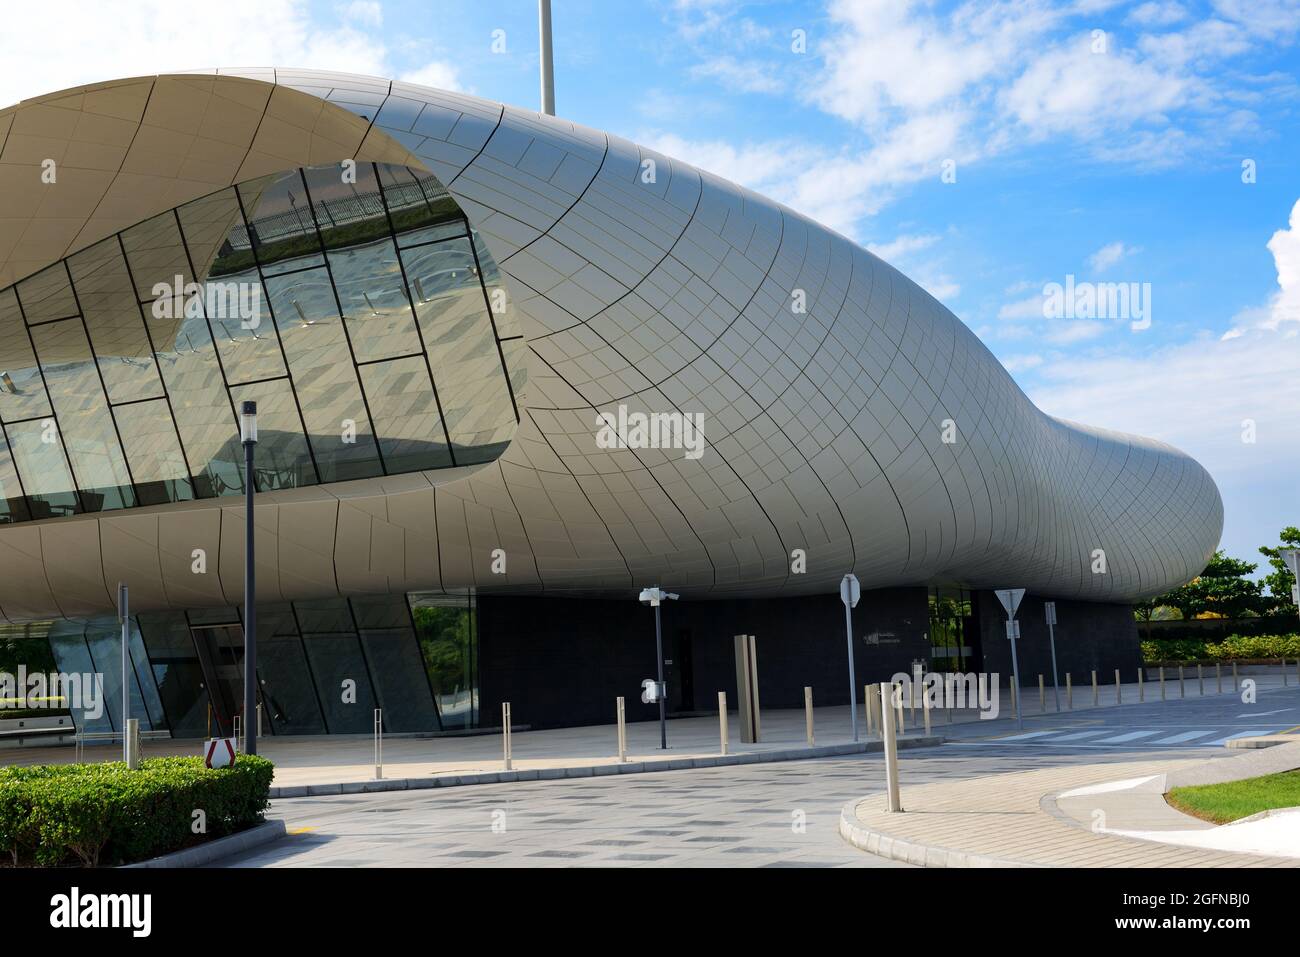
(449, 298)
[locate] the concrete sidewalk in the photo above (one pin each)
(1054, 817)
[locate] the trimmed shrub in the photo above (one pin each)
(1234, 647)
(89, 814)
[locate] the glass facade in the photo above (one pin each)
(954, 632)
(323, 666)
(352, 302)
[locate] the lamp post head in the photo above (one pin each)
(248, 423)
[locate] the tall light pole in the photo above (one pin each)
(547, 62)
(248, 435)
(126, 687)
(1049, 607)
(655, 597)
(850, 592)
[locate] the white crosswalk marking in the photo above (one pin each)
(1245, 733)
(1080, 735)
(1185, 736)
(1131, 736)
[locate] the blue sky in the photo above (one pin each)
(1099, 139)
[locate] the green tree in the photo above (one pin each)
(1222, 590)
(1279, 582)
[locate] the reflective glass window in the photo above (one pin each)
(348, 213)
(279, 222)
(209, 431)
(22, 393)
(13, 507)
(445, 627)
(68, 642)
(241, 324)
(154, 453)
(406, 416)
(157, 258)
(369, 283)
(335, 654)
(85, 423)
(288, 698)
(113, 320)
(283, 459)
(462, 348)
(215, 235)
(421, 209)
(176, 672)
(47, 295)
(41, 462)
(320, 363)
(384, 624)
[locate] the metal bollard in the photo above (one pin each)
(866, 706)
(1182, 687)
(1142, 691)
(1162, 682)
(1042, 695)
(621, 711)
(379, 744)
(1119, 693)
(259, 721)
(132, 738)
(236, 726)
(925, 708)
(1200, 678)
(722, 720)
(895, 803)
(901, 727)
(808, 714)
(1218, 675)
(1015, 695)
(1095, 693)
(1069, 693)
(505, 733)
(873, 700)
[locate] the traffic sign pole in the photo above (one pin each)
(850, 592)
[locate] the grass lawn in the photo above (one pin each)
(1222, 803)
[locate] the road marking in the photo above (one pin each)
(1079, 735)
(1025, 737)
(301, 830)
(1131, 736)
(1246, 733)
(1180, 738)
(1261, 714)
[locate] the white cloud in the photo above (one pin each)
(1022, 363)
(1157, 14)
(1283, 307)
(367, 13)
(1031, 307)
(740, 76)
(158, 36)
(902, 246)
(1109, 255)
(438, 74)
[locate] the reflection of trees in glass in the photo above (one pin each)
(446, 641)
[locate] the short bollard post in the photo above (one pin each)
(505, 733)
(620, 710)
(1042, 694)
(1142, 693)
(1119, 694)
(866, 703)
(925, 708)
(1095, 693)
(1162, 682)
(901, 727)
(1200, 678)
(877, 715)
(236, 727)
(891, 747)
(1218, 675)
(722, 719)
(1069, 693)
(132, 743)
(1015, 695)
(379, 744)
(808, 714)
(1182, 687)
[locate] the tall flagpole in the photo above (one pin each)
(548, 65)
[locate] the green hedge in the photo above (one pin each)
(87, 814)
(1233, 647)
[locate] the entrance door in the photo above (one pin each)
(679, 671)
(221, 656)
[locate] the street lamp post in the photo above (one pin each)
(655, 597)
(248, 435)
(850, 592)
(123, 620)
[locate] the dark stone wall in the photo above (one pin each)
(1089, 635)
(561, 662)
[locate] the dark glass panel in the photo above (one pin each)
(406, 416)
(84, 420)
(279, 222)
(329, 392)
(153, 452)
(13, 507)
(177, 672)
(22, 393)
(68, 642)
(288, 698)
(446, 629)
(283, 459)
(342, 678)
(117, 331)
(395, 664)
(104, 636)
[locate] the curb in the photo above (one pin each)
(912, 852)
(592, 770)
(206, 853)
